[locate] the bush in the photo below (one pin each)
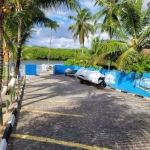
(10, 91)
(141, 66)
(30, 53)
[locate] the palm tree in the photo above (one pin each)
(109, 14)
(30, 11)
(56, 4)
(19, 6)
(51, 25)
(111, 24)
(4, 10)
(25, 16)
(8, 48)
(136, 25)
(95, 44)
(81, 28)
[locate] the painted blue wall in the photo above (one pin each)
(126, 82)
(30, 70)
(60, 69)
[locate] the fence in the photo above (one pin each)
(32, 69)
(138, 84)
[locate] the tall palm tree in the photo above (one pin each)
(19, 6)
(95, 44)
(24, 16)
(4, 10)
(30, 10)
(109, 16)
(136, 25)
(10, 38)
(8, 48)
(81, 28)
(52, 25)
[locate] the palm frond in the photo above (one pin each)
(8, 42)
(144, 35)
(53, 4)
(111, 46)
(128, 57)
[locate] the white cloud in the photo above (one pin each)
(62, 37)
(145, 2)
(90, 5)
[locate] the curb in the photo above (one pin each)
(10, 124)
(118, 90)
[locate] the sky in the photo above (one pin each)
(62, 38)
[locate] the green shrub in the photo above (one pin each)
(31, 53)
(10, 91)
(142, 65)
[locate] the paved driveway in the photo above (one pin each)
(59, 113)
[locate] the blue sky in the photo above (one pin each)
(63, 38)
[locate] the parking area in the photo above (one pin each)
(59, 113)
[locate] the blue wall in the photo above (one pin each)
(30, 70)
(129, 82)
(122, 81)
(60, 69)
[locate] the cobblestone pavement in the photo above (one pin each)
(59, 113)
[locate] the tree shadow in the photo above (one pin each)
(108, 120)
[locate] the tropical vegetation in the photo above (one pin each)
(125, 21)
(52, 25)
(128, 28)
(135, 26)
(21, 16)
(82, 27)
(36, 52)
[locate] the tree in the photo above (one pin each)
(4, 10)
(57, 4)
(81, 28)
(29, 10)
(51, 25)
(8, 48)
(135, 24)
(95, 44)
(109, 14)
(26, 10)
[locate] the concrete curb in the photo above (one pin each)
(10, 124)
(147, 98)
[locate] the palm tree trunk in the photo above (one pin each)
(13, 66)
(6, 60)
(82, 48)
(6, 80)
(13, 80)
(6, 73)
(50, 46)
(109, 58)
(1, 61)
(1, 51)
(18, 48)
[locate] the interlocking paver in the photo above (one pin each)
(111, 119)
